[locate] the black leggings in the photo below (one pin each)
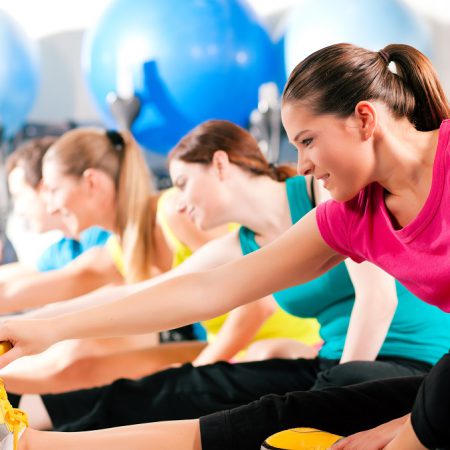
(431, 412)
(190, 392)
(343, 411)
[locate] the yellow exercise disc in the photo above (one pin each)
(300, 439)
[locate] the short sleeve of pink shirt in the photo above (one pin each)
(335, 222)
(417, 255)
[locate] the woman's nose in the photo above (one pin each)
(304, 165)
(181, 207)
(50, 206)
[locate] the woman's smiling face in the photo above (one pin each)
(200, 193)
(331, 149)
(67, 196)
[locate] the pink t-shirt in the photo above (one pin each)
(418, 255)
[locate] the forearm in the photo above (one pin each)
(238, 331)
(13, 271)
(165, 306)
(98, 297)
(181, 434)
(366, 333)
(217, 351)
(373, 310)
(42, 289)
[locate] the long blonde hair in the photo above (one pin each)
(119, 156)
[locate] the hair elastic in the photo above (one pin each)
(385, 56)
(116, 140)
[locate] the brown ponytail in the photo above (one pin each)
(118, 155)
(417, 72)
(199, 146)
(334, 79)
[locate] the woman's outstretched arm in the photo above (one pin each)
(89, 271)
(298, 256)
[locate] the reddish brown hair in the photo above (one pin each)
(199, 146)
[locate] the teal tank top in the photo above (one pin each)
(418, 331)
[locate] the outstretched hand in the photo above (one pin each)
(27, 337)
(373, 439)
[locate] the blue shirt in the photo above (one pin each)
(418, 330)
(66, 250)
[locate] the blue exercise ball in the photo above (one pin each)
(314, 24)
(19, 75)
(186, 60)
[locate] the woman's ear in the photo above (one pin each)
(366, 116)
(221, 163)
(90, 179)
(97, 181)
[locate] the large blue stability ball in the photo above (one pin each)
(19, 75)
(314, 24)
(186, 60)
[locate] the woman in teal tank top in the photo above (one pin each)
(215, 172)
(330, 298)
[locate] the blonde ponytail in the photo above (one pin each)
(135, 219)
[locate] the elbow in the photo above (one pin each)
(268, 308)
(87, 280)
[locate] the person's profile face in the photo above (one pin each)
(199, 193)
(27, 201)
(329, 148)
(64, 195)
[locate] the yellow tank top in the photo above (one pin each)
(181, 251)
(115, 250)
(279, 325)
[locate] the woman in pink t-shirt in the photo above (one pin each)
(372, 133)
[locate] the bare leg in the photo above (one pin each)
(279, 348)
(180, 435)
(38, 416)
(99, 369)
